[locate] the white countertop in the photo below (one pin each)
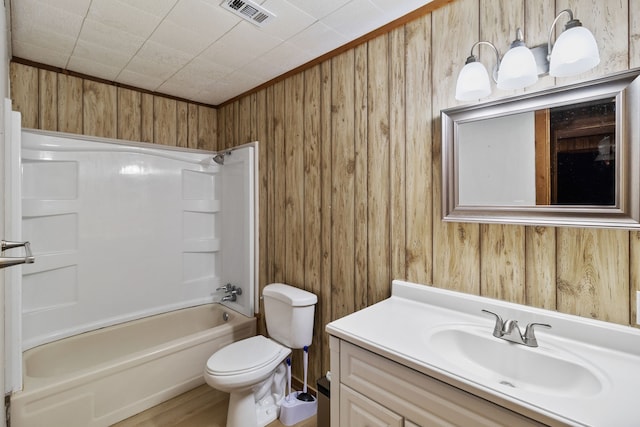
(400, 328)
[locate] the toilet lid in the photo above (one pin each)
(244, 355)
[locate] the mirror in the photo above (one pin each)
(565, 156)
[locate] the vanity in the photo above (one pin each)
(432, 357)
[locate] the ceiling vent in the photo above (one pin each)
(249, 11)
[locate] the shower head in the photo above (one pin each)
(219, 157)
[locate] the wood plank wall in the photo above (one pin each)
(350, 178)
(50, 100)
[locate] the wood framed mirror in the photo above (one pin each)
(565, 156)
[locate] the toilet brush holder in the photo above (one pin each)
(294, 410)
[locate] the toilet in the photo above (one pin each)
(253, 371)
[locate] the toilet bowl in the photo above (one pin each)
(253, 370)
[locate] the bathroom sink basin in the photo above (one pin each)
(482, 357)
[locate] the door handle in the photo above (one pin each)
(10, 261)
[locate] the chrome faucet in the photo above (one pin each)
(510, 331)
(231, 292)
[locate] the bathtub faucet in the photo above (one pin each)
(231, 292)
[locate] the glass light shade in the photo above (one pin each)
(575, 52)
(473, 82)
(518, 69)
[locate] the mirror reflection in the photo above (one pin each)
(582, 155)
(564, 155)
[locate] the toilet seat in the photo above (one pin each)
(245, 356)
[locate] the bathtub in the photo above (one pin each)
(104, 376)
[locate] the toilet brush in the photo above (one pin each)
(304, 396)
(288, 377)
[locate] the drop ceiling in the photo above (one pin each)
(191, 49)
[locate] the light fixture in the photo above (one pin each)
(575, 52)
(518, 68)
(473, 80)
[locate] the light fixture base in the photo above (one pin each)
(541, 55)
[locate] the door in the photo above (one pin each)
(357, 410)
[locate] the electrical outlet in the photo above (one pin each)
(638, 308)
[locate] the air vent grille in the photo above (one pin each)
(249, 10)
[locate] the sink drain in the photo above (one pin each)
(507, 383)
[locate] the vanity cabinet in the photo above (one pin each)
(370, 390)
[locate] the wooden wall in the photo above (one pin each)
(55, 101)
(350, 177)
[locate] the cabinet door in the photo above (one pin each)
(359, 411)
(423, 400)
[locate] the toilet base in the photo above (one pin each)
(255, 406)
(245, 411)
(293, 411)
(242, 409)
(266, 412)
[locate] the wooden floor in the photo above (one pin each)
(200, 407)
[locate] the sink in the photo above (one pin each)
(482, 357)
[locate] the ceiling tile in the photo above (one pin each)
(163, 56)
(120, 15)
(364, 12)
(40, 54)
(154, 7)
(110, 37)
(208, 21)
(33, 15)
(318, 39)
(200, 69)
(264, 67)
(288, 56)
(153, 70)
(57, 43)
(218, 94)
(141, 80)
(243, 43)
(77, 7)
(101, 55)
(173, 89)
(213, 98)
(179, 38)
(92, 68)
(241, 81)
(320, 9)
(176, 86)
(395, 9)
(289, 19)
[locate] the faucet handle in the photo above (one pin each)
(530, 336)
(497, 329)
(226, 288)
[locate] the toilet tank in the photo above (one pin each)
(289, 312)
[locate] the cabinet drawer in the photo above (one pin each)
(418, 397)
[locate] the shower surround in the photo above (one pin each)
(123, 231)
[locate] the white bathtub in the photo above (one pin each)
(104, 376)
